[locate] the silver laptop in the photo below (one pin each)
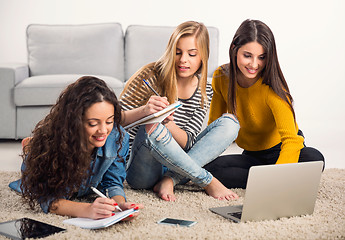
(275, 191)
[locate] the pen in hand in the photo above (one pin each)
(103, 196)
(147, 83)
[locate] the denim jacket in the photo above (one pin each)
(109, 171)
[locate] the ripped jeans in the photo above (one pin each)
(158, 154)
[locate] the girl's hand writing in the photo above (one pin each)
(155, 104)
(102, 208)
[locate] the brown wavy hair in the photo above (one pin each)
(272, 75)
(57, 160)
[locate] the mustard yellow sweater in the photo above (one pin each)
(265, 119)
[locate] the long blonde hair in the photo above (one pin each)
(165, 66)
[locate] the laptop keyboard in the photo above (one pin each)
(235, 214)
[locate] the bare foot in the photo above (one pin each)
(217, 190)
(165, 189)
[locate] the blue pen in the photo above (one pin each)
(147, 83)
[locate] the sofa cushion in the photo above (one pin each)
(146, 44)
(44, 90)
(96, 49)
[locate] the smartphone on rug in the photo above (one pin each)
(179, 222)
(27, 228)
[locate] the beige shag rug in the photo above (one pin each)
(327, 222)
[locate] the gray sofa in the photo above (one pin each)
(60, 54)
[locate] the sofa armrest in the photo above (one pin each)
(10, 75)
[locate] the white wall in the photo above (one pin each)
(310, 37)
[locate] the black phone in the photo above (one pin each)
(27, 228)
(180, 222)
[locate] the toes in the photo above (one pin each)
(172, 198)
(168, 197)
(165, 197)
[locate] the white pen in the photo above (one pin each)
(103, 196)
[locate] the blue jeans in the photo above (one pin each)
(158, 154)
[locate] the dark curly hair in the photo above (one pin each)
(57, 160)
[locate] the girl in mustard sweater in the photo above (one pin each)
(253, 88)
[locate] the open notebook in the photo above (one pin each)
(156, 117)
(99, 223)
